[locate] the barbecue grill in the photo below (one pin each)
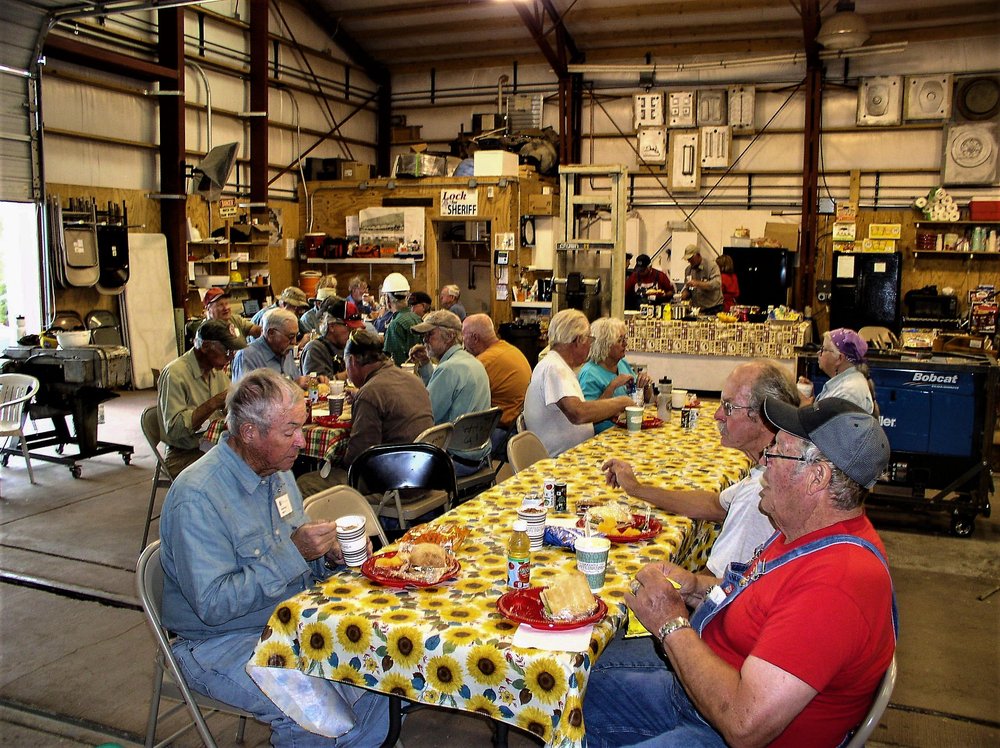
(74, 382)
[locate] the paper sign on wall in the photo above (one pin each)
(461, 202)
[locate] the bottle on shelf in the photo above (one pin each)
(519, 557)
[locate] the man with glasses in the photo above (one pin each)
(274, 349)
(791, 647)
(192, 388)
(742, 426)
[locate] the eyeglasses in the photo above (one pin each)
(728, 407)
(775, 456)
(290, 336)
(829, 350)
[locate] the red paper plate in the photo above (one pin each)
(525, 606)
(331, 422)
(370, 570)
(638, 520)
(649, 422)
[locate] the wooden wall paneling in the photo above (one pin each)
(961, 274)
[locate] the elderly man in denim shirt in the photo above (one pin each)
(235, 543)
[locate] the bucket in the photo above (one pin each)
(308, 281)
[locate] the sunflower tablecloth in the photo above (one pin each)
(448, 645)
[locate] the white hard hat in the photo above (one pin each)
(395, 283)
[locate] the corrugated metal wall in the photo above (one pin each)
(18, 149)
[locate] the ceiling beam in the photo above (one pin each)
(99, 58)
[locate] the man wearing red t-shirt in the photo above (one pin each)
(791, 647)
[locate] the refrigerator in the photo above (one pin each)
(765, 275)
(864, 290)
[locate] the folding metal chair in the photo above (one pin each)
(389, 468)
(882, 696)
(340, 501)
(525, 449)
(150, 423)
(149, 585)
(474, 432)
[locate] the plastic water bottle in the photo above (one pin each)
(519, 557)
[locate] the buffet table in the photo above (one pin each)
(448, 645)
(700, 354)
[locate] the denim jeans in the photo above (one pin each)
(633, 698)
(215, 667)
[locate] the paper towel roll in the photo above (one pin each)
(921, 202)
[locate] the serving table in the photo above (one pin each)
(448, 645)
(700, 354)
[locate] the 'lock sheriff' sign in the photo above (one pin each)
(463, 202)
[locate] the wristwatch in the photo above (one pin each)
(680, 622)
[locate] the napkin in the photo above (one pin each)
(573, 640)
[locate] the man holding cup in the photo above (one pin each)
(235, 543)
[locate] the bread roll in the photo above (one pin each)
(428, 554)
(568, 598)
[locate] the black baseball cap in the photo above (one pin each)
(218, 330)
(642, 262)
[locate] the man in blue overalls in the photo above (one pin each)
(791, 647)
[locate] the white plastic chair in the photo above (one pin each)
(150, 423)
(867, 726)
(16, 391)
(339, 501)
(149, 585)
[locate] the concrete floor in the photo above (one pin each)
(76, 657)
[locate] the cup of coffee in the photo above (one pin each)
(592, 559)
(633, 418)
(535, 517)
(805, 389)
(678, 398)
(353, 538)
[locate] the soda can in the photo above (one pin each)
(548, 492)
(560, 499)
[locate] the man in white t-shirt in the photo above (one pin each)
(741, 426)
(554, 406)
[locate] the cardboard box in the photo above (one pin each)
(494, 164)
(785, 234)
(844, 231)
(353, 171)
(885, 231)
(406, 133)
(542, 205)
(878, 245)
